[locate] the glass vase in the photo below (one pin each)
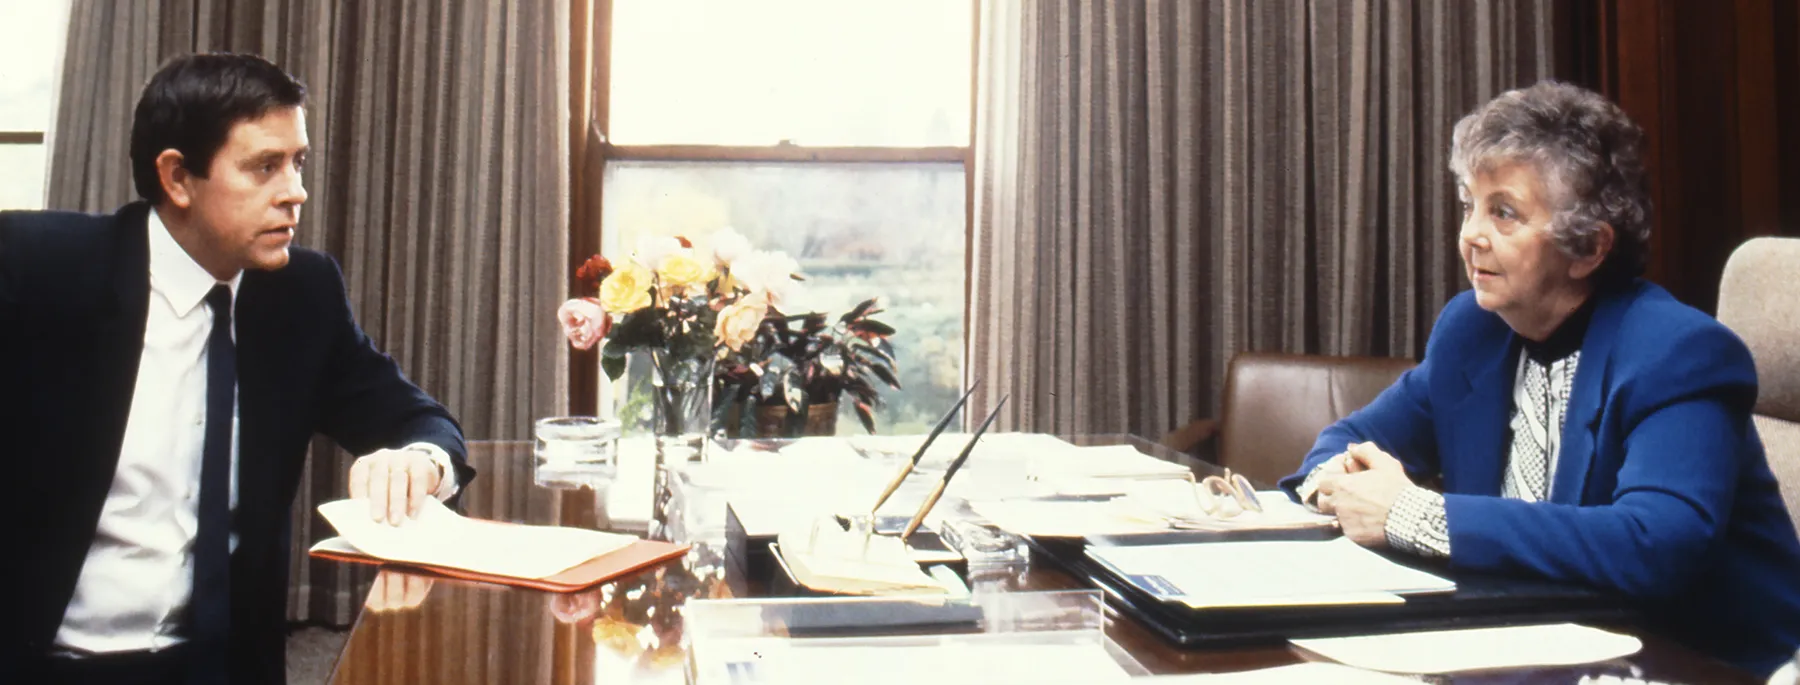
(681, 390)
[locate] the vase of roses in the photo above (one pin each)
(682, 308)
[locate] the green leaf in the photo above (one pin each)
(885, 375)
(612, 359)
(642, 328)
(872, 326)
(866, 417)
(860, 311)
(794, 390)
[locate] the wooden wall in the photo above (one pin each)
(1716, 86)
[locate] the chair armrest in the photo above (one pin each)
(1190, 436)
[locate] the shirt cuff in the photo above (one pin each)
(447, 485)
(1416, 524)
(1310, 487)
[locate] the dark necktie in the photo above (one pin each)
(210, 604)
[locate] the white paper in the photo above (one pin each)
(1309, 673)
(1216, 574)
(440, 537)
(1146, 509)
(1447, 651)
(904, 661)
(1107, 461)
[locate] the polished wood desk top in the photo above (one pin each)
(417, 629)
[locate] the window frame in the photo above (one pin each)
(590, 95)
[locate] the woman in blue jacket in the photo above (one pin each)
(1587, 426)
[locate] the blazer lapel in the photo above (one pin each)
(124, 311)
(1479, 423)
(1576, 453)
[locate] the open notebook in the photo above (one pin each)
(548, 558)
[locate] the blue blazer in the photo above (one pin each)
(1661, 491)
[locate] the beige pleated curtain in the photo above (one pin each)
(1160, 184)
(438, 178)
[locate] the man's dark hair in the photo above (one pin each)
(191, 104)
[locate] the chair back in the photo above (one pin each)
(1276, 404)
(1755, 303)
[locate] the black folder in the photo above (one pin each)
(1479, 600)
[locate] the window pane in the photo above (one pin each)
(21, 177)
(816, 72)
(858, 231)
(30, 43)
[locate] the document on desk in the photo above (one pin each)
(939, 660)
(1147, 507)
(1308, 673)
(1267, 573)
(441, 537)
(1449, 651)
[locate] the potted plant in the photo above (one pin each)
(790, 378)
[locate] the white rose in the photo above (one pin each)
(767, 272)
(651, 250)
(728, 245)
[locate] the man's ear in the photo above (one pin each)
(1585, 265)
(174, 178)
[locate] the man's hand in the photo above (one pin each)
(1362, 501)
(395, 591)
(396, 483)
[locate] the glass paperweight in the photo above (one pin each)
(575, 451)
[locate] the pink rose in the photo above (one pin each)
(583, 321)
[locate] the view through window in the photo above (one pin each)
(31, 41)
(833, 130)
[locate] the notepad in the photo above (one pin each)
(440, 537)
(1267, 573)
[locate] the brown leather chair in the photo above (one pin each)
(1755, 303)
(1276, 404)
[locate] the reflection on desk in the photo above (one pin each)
(631, 630)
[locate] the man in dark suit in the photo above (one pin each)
(162, 371)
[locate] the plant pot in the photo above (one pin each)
(772, 421)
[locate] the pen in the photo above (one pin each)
(944, 482)
(907, 468)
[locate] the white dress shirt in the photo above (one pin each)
(139, 570)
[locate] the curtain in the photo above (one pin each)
(438, 178)
(1163, 183)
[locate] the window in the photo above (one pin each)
(31, 41)
(834, 130)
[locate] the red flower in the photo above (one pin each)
(684, 241)
(594, 270)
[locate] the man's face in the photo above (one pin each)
(243, 213)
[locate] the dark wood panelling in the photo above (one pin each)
(1714, 85)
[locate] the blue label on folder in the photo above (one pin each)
(1156, 585)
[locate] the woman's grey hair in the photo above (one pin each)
(1589, 156)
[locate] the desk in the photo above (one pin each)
(630, 631)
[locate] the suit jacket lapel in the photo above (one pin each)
(1479, 421)
(123, 312)
(1576, 453)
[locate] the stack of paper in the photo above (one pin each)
(439, 537)
(1109, 461)
(1149, 507)
(1276, 573)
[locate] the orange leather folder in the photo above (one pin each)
(621, 562)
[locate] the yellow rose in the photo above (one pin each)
(738, 321)
(681, 272)
(626, 290)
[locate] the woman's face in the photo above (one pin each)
(1507, 252)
